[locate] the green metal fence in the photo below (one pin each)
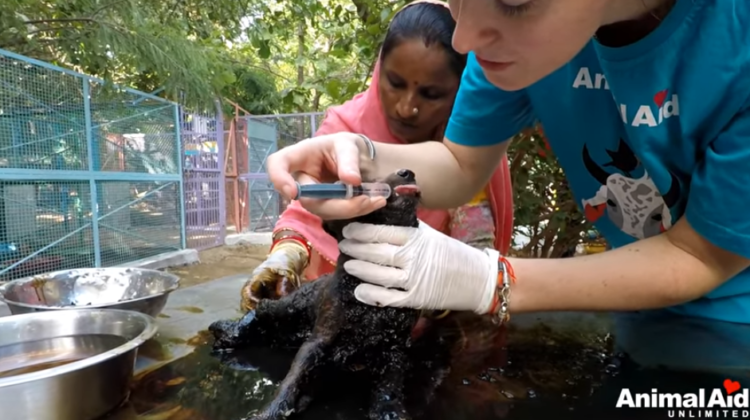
(267, 134)
(90, 174)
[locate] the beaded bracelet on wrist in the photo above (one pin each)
(505, 277)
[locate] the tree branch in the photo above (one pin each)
(68, 20)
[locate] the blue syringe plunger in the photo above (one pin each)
(339, 190)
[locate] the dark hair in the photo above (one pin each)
(432, 23)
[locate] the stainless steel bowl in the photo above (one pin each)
(68, 365)
(135, 289)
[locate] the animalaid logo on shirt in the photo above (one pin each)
(728, 401)
(667, 104)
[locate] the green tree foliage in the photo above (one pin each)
(545, 208)
(148, 44)
(254, 90)
(321, 51)
(268, 56)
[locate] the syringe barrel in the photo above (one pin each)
(372, 189)
(322, 191)
(340, 190)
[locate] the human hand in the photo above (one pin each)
(277, 276)
(327, 158)
(433, 270)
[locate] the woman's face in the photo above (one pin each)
(417, 90)
(518, 42)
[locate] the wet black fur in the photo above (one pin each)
(332, 328)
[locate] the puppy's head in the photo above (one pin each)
(400, 208)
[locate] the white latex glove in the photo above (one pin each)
(436, 271)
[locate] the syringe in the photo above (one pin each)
(339, 190)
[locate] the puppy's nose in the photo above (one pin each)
(406, 174)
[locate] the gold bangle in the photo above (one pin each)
(443, 315)
(312, 248)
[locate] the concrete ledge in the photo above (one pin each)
(167, 259)
(249, 238)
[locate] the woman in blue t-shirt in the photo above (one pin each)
(645, 103)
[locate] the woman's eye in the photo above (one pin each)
(396, 83)
(513, 10)
(430, 95)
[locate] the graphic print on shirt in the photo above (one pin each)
(632, 204)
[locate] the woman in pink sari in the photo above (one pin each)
(409, 100)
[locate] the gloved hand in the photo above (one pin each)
(277, 276)
(435, 271)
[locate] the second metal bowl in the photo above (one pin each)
(136, 289)
(68, 365)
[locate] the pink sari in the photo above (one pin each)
(364, 114)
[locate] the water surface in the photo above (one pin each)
(534, 374)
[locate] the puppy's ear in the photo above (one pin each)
(335, 228)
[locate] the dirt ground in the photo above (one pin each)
(219, 262)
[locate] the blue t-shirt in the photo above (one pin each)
(646, 133)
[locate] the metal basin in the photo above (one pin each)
(135, 289)
(69, 365)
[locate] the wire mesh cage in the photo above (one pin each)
(90, 173)
(265, 135)
(203, 172)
